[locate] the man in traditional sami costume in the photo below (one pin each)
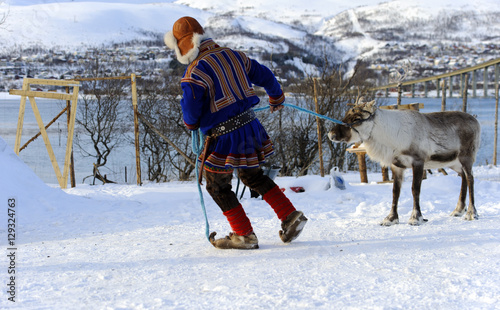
(218, 98)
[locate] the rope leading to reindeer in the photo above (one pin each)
(306, 111)
(197, 145)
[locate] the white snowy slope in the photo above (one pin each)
(363, 31)
(131, 247)
(73, 24)
(92, 23)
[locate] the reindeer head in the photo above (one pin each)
(354, 121)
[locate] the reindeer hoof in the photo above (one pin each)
(388, 221)
(471, 216)
(417, 221)
(457, 213)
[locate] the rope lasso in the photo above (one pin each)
(306, 111)
(197, 146)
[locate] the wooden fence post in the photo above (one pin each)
(464, 94)
(385, 174)
(485, 82)
(71, 131)
(438, 88)
(136, 128)
(318, 125)
(72, 160)
(362, 167)
(461, 90)
(400, 93)
(20, 119)
(495, 139)
(474, 84)
(451, 86)
(497, 74)
(443, 99)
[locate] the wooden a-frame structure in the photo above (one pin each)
(26, 92)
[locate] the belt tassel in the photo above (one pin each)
(208, 141)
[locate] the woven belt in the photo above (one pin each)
(233, 123)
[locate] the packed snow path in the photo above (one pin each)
(130, 247)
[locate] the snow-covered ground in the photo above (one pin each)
(131, 247)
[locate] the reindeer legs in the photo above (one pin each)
(460, 209)
(471, 212)
(416, 217)
(393, 217)
(467, 182)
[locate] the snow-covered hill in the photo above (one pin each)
(358, 28)
(364, 31)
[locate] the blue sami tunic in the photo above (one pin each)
(217, 86)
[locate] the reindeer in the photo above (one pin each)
(408, 139)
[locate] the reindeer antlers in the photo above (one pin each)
(401, 73)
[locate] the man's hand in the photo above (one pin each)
(276, 108)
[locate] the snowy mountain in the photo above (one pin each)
(357, 28)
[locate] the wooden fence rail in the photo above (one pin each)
(457, 73)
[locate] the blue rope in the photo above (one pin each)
(304, 110)
(197, 145)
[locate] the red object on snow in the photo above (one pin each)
(297, 189)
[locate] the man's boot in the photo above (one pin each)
(242, 236)
(292, 226)
(292, 221)
(234, 241)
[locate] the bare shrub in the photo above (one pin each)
(159, 105)
(100, 117)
